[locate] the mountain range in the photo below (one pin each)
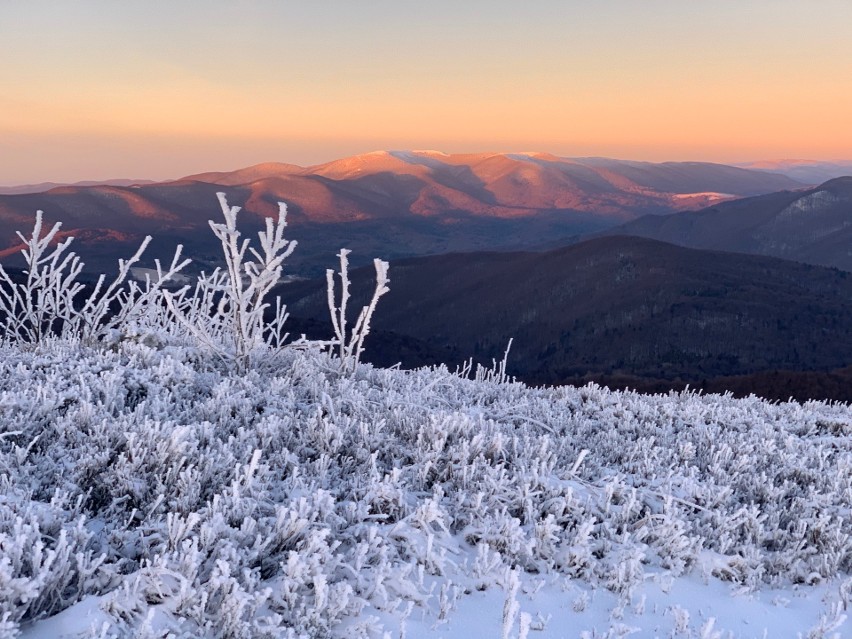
(388, 203)
(613, 306)
(813, 226)
(807, 171)
(488, 247)
(41, 187)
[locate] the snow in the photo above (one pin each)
(703, 194)
(300, 500)
(809, 204)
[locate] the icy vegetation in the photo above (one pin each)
(168, 478)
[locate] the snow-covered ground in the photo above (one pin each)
(145, 491)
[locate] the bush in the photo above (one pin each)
(224, 313)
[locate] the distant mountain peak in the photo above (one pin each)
(396, 202)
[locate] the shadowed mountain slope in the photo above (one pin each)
(813, 226)
(615, 305)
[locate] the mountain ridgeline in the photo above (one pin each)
(391, 204)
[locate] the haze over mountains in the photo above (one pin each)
(807, 171)
(393, 204)
(41, 187)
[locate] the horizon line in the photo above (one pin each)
(93, 181)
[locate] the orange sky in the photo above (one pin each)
(93, 90)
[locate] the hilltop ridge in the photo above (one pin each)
(396, 203)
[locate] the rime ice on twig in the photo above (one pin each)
(51, 302)
(226, 310)
(350, 344)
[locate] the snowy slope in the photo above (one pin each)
(145, 492)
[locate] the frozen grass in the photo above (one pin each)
(299, 501)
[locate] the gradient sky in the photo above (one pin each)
(94, 90)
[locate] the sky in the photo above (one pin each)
(153, 89)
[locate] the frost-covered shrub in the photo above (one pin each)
(225, 311)
(47, 562)
(288, 502)
(51, 302)
(350, 343)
